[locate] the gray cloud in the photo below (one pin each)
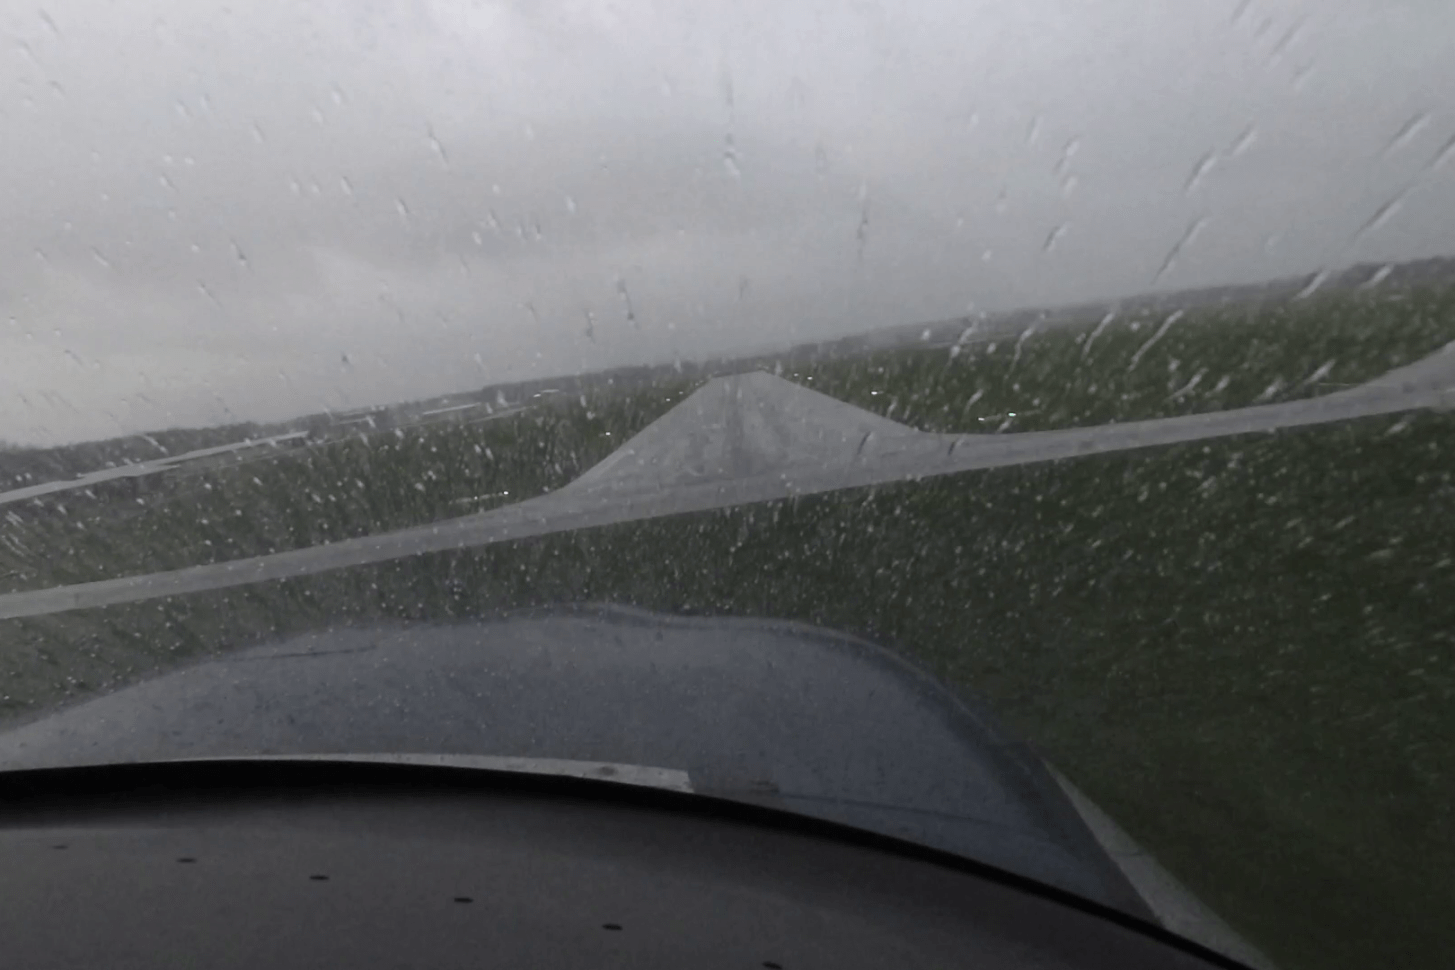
(212, 213)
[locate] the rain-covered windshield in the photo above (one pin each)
(1022, 428)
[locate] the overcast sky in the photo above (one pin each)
(252, 210)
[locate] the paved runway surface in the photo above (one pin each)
(755, 438)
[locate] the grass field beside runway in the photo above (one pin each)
(1146, 365)
(1138, 367)
(1242, 648)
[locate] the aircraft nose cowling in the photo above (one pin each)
(777, 713)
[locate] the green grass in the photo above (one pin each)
(1205, 360)
(358, 486)
(1242, 648)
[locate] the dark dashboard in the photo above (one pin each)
(318, 864)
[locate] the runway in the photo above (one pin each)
(753, 438)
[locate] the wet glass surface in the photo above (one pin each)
(1091, 361)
